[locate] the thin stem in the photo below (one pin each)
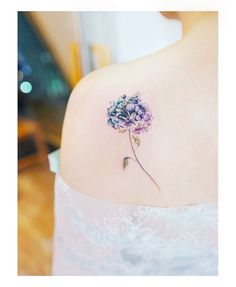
(131, 143)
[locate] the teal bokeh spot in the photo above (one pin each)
(26, 87)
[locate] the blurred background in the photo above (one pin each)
(55, 50)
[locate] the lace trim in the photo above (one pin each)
(139, 240)
(126, 262)
(131, 225)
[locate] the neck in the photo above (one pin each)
(191, 20)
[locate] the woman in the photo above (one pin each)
(137, 189)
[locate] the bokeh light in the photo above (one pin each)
(26, 87)
(26, 70)
(20, 76)
(46, 57)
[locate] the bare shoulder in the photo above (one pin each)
(86, 139)
(179, 148)
(92, 152)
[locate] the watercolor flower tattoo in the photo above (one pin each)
(130, 114)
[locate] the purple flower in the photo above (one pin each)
(129, 114)
(132, 115)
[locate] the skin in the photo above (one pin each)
(179, 84)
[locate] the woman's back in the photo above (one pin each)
(179, 85)
(130, 203)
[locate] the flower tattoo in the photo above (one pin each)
(130, 114)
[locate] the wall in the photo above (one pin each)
(129, 35)
(141, 33)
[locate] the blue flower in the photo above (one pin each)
(129, 114)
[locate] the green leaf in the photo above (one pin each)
(125, 162)
(136, 140)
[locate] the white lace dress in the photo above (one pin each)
(97, 237)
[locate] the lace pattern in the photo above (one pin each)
(98, 237)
